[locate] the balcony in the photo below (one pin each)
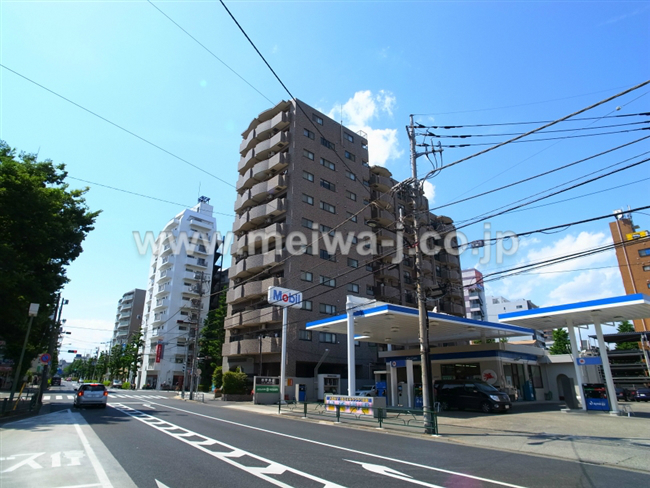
(427, 267)
(257, 216)
(271, 166)
(387, 274)
(382, 217)
(387, 293)
(380, 183)
(163, 289)
(262, 150)
(256, 240)
(255, 318)
(199, 262)
(380, 171)
(167, 261)
(190, 290)
(200, 223)
(269, 189)
(244, 201)
(254, 289)
(255, 264)
(262, 131)
(188, 275)
(161, 303)
(244, 347)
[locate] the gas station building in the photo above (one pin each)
(525, 372)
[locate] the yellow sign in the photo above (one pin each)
(636, 235)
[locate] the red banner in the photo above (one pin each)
(159, 352)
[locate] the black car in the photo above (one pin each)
(471, 394)
(643, 395)
(56, 381)
(623, 394)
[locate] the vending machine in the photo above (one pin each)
(328, 384)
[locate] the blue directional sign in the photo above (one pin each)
(589, 361)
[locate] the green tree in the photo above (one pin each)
(561, 343)
(626, 326)
(212, 338)
(42, 226)
(133, 355)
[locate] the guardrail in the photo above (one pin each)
(398, 418)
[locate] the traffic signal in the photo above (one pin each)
(72, 350)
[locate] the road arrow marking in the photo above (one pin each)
(161, 485)
(391, 473)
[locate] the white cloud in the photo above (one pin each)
(588, 285)
(429, 191)
(358, 113)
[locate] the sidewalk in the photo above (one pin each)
(539, 428)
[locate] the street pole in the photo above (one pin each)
(422, 310)
(54, 336)
(283, 356)
(194, 381)
(33, 312)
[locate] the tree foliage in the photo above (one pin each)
(626, 326)
(561, 343)
(42, 226)
(212, 338)
(235, 382)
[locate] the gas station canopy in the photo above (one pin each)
(614, 309)
(386, 323)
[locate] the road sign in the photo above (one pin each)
(198, 370)
(45, 358)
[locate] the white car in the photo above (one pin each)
(91, 394)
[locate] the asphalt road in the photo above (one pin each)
(183, 444)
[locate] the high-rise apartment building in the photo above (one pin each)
(178, 295)
(474, 294)
(303, 174)
(129, 316)
(633, 255)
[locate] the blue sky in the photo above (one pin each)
(373, 63)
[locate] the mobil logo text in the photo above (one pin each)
(284, 297)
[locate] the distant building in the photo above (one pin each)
(129, 316)
(633, 255)
(500, 305)
(178, 295)
(474, 294)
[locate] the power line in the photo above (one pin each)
(475, 221)
(209, 51)
(117, 125)
(540, 174)
(139, 194)
(545, 125)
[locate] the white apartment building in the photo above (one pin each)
(129, 316)
(182, 256)
(500, 305)
(474, 294)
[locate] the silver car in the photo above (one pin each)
(91, 394)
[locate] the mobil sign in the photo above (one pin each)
(284, 297)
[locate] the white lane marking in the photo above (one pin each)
(92, 457)
(59, 397)
(346, 449)
(161, 485)
(81, 486)
(230, 457)
(27, 462)
(391, 473)
(70, 397)
(46, 397)
(56, 460)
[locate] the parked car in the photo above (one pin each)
(91, 394)
(366, 391)
(471, 394)
(622, 394)
(56, 381)
(117, 383)
(643, 395)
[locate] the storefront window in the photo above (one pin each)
(470, 371)
(535, 373)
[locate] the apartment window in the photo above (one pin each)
(326, 229)
(644, 252)
(354, 239)
(327, 281)
(353, 263)
(366, 183)
(408, 297)
(439, 275)
(306, 276)
(308, 250)
(307, 199)
(325, 255)
(328, 185)
(349, 137)
(353, 287)
(326, 143)
(370, 290)
(366, 201)
(352, 217)
(317, 119)
(304, 335)
(309, 224)
(327, 164)
(327, 207)
(327, 336)
(307, 305)
(407, 278)
(646, 268)
(308, 133)
(350, 156)
(308, 176)
(365, 163)
(369, 267)
(350, 195)
(350, 174)
(308, 154)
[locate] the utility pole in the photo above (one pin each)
(423, 319)
(33, 312)
(54, 336)
(194, 381)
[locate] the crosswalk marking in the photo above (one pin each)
(46, 397)
(59, 397)
(70, 397)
